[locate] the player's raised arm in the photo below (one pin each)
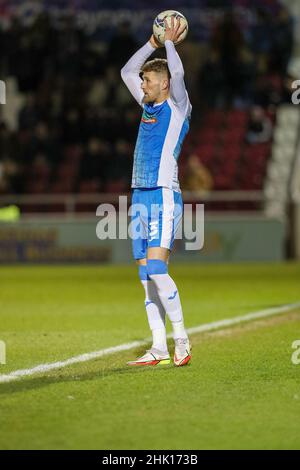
(131, 70)
(177, 86)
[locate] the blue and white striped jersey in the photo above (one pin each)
(163, 126)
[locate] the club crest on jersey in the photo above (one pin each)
(148, 118)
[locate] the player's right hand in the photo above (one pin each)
(154, 42)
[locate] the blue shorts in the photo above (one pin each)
(155, 217)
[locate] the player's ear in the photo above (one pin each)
(165, 84)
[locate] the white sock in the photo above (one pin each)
(159, 339)
(169, 297)
(179, 330)
(156, 316)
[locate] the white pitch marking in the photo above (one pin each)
(18, 374)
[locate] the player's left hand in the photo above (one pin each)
(173, 32)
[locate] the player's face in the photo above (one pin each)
(153, 84)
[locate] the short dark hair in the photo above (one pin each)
(156, 65)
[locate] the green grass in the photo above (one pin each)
(240, 391)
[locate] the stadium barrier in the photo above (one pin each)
(294, 197)
(70, 236)
(70, 204)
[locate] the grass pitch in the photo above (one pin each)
(241, 390)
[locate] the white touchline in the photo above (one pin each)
(18, 374)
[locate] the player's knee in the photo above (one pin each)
(156, 266)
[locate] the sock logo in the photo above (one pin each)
(148, 302)
(173, 296)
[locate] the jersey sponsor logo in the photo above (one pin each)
(148, 118)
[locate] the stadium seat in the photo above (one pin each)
(89, 186)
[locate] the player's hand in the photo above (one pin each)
(155, 43)
(173, 32)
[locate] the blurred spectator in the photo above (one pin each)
(41, 168)
(112, 79)
(72, 126)
(259, 127)
(228, 38)
(70, 83)
(244, 84)
(121, 163)
(43, 141)
(122, 45)
(228, 41)
(9, 145)
(212, 81)
(261, 34)
(95, 162)
(71, 48)
(193, 55)
(268, 90)
(283, 41)
(97, 93)
(128, 129)
(196, 176)
(29, 114)
(10, 178)
(11, 44)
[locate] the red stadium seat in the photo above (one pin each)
(73, 153)
(89, 186)
(63, 186)
(67, 170)
(209, 136)
(117, 186)
(237, 118)
(214, 118)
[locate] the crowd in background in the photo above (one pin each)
(72, 95)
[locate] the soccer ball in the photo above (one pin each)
(159, 25)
